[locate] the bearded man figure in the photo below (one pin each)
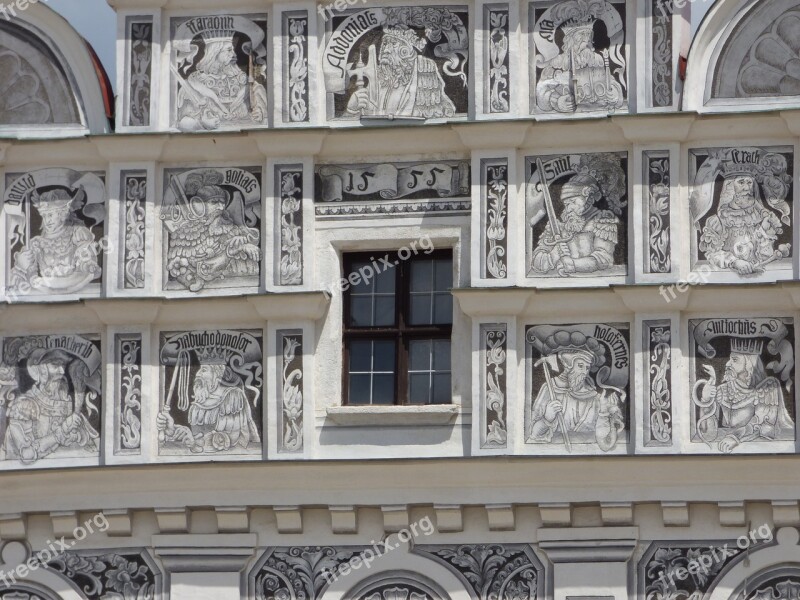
(404, 83)
(218, 92)
(45, 418)
(208, 239)
(588, 234)
(748, 403)
(743, 233)
(219, 415)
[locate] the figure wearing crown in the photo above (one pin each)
(217, 91)
(64, 257)
(743, 233)
(398, 81)
(748, 404)
(578, 77)
(218, 413)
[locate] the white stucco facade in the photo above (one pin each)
(617, 203)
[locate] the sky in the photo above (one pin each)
(96, 21)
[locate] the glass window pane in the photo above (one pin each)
(420, 313)
(383, 389)
(384, 311)
(384, 356)
(441, 388)
(443, 309)
(419, 355)
(361, 311)
(384, 281)
(441, 355)
(359, 389)
(418, 388)
(360, 357)
(421, 275)
(362, 287)
(444, 275)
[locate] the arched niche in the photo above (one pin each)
(26, 591)
(397, 586)
(770, 573)
(745, 56)
(50, 84)
(38, 583)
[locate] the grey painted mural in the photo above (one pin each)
(219, 71)
(128, 399)
(289, 183)
(290, 412)
(752, 398)
(494, 413)
(50, 397)
(578, 377)
(578, 61)
(661, 47)
(657, 417)
(741, 204)
(391, 188)
(140, 65)
(397, 62)
(588, 237)
(295, 67)
(759, 60)
(212, 220)
(37, 87)
(133, 209)
(211, 392)
(659, 246)
(498, 92)
(494, 190)
(54, 230)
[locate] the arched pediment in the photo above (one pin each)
(746, 55)
(50, 85)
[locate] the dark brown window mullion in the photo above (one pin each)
(403, 274)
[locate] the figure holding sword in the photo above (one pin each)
(583, 239)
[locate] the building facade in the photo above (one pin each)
(375, 300)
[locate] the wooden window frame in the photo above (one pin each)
(401, 332)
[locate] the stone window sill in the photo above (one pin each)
(388, 416)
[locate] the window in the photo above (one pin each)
(398, 317)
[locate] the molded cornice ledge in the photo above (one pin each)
(647, 298)
(3, 147)
(492, 136)
(228, 146)
(486, 302)
(298, 142)
(792, 119)
(140, 4)
(793, 289)
(125, 312)
(291, 306)
(130, 148)
(655, 128)
(588, 544)
(221, 553)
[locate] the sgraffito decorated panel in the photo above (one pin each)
(578, 56)
(742, 383)
(658, 255)
(494, 391)
(741, 209)
(37, 86)
(578, 381)
(140, 62)
(576, 212)
(657, 416)
(219, 72)
(54, 221)
(50, 398)
(289, 247)
(392, 188)
(397, 62)
(295, 67)
(498, 59)
(133, 230)
(290, 411)
(211, 393)
(211, 228)
(128, 396)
